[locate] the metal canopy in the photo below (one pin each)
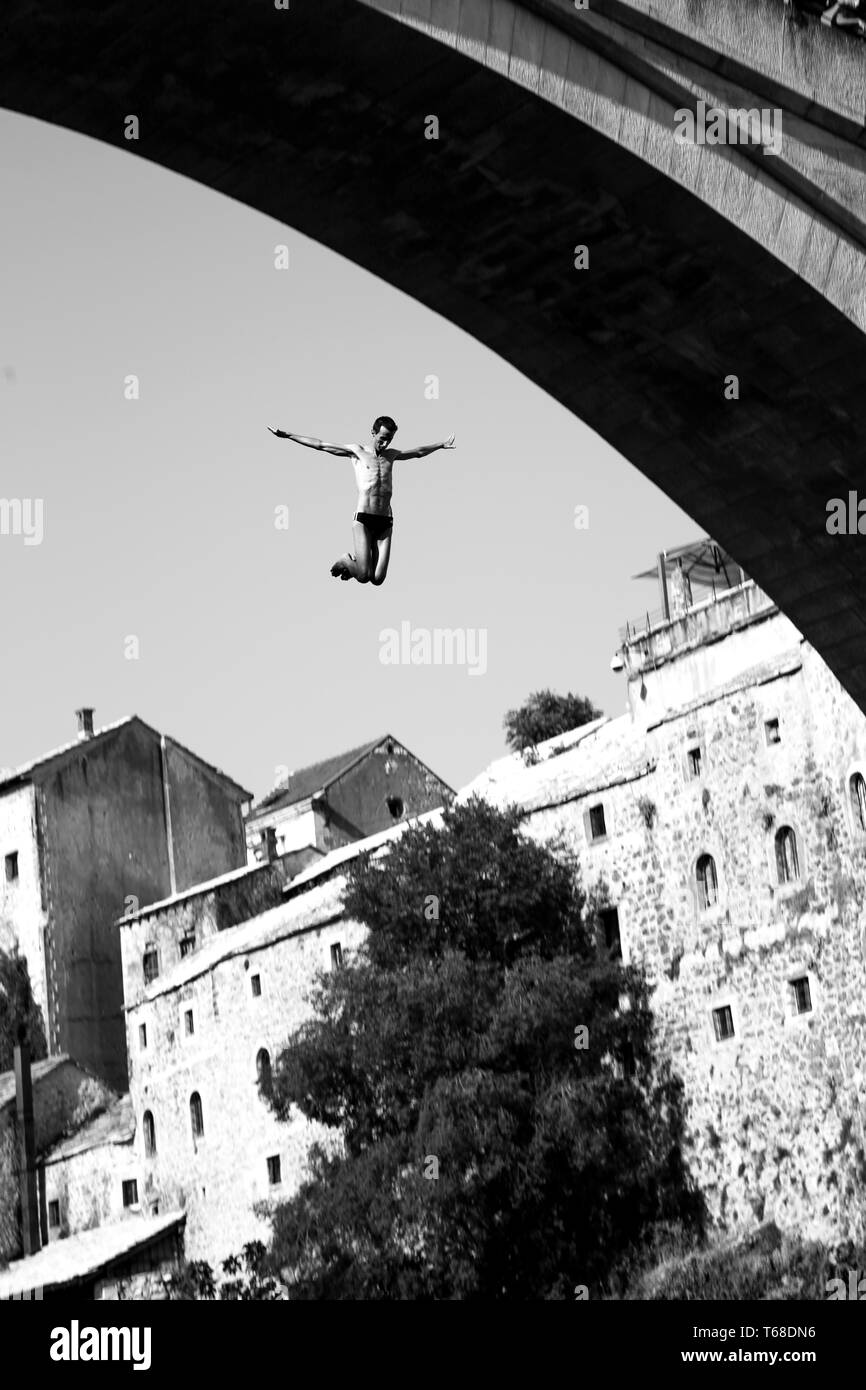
(703, 561)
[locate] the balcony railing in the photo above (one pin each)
(655, 618)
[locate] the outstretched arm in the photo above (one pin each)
(424, 449)
(312, 443)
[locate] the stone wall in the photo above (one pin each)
(775, 1112)
(22, 910)
(220, 1177)
(65, 1096)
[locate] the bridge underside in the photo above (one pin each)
(315, 116)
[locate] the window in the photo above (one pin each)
(723, 1023)
(274, 1175)
(693, 762)
(149, 1134)
(187, 945)
(787, 861)
(610, 925)
(188, 1023)
(395, 806)
(336, 956)
(12, 866)
(130, 1193)
(597, 826)
(142, 1036)
(771, 731)
(150, 964)
(802, 995)
(263, 1069)
(256, 984)
(857, 789)
(54, 1214)
(195, 1116)
(708, 884)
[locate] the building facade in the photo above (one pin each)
(120, 817)
(346, 798)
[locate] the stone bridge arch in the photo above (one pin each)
(556, 130)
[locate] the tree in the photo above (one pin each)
(246, 1279)
(544, 715)
(20, 1015)
(505, 1128)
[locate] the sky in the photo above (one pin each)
(171, 582)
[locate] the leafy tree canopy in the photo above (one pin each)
(20, 1015)
(544, 715)
(506, 1131)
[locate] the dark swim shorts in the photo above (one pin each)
(377, 525)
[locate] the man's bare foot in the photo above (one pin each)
(340, 568)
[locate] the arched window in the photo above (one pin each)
(857, 789)
(263, 1069)
(787, 860)
(708, 884)
(149, 1135)
(195, 1115)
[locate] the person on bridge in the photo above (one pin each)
(373, 522)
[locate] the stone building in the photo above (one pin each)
(720, 829)
(121, 815)
(346, 798)
(720, 826)
(64, 1097)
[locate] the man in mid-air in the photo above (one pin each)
(373, 522)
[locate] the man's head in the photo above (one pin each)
(384, 429)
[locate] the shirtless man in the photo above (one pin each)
(373, 519)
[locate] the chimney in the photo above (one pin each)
(269, 844)
(84, 719)
(26, 1151)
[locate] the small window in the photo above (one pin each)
(802, 995)
(723, 1023)
(150, 964)
(857, 789)
(149, 1134)
(336, 956)
(256, 985)
(610, 926)
(54, 1214)
(274, 1171)
(771, 731)
(597, 828)
(142, 1036)
(693, 762)
(130, 1193)
(188, 1023)
(708, 884)
(787, 860)
(12, 866)
(187, 946)
(196, 1117)
(263, 1069)
(395, 807)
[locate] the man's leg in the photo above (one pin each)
(381, 566)
(361, 565)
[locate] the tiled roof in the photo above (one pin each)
(83, 1256)
(75, 745)
(116, 1125)
(38, 1070)
(314, 778)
